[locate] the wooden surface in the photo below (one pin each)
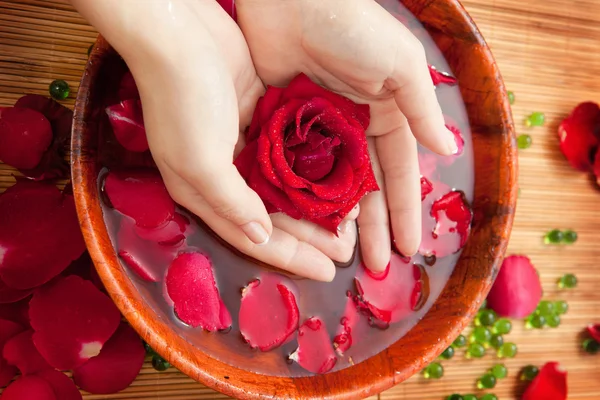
(548, 53)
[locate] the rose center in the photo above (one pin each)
(312, 157)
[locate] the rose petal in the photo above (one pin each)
(439, 77)
(127, 121)
(594, 331)
(128, 89)
(21, 352)
(315, 352)
(8, 329)
(25, 135)
(16, 312)
(170, 234)
(62, 386)
(229, 7)
(426, 187)
(29, 387)
(579, 134)
(265, 107)
(549, 384)
(10, 295)
(246, 160)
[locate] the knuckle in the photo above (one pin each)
(227, 210)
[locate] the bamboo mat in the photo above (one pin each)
(549, 53)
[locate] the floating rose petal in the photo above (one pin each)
(579, 135)
(141, 195)
(21, 352)
(117, 365)
(88, 318)
(127, 121)
(29, 387)
(268, 312)
(62, 386)
(458, 138)
(191, 285)
(315, 352)
(440, 78)
(549, 384)
(39, 234)
(128, 89)
(517, 289)
(25, 135)
(594, 331)
(349, 321)
(170, 234)
(426, 187)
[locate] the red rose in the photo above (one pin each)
(306, 153)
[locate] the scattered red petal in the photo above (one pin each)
(170, 234)
(141, 195)
(88, 318)
(440, 78)
(7, 372)
(315, 352)
(343, 339)
(62, 386)
(579, 135)
(517, 289)
(458, 138)
(549, 384)
(128, 89)
(229, 7)
(16, 312)
(24, 137)
(594, 331)
(10, 295)
(8, 329)
(426, 187)
(268, 312)
(191, 285)
(29, 388)
(21, 352)
(39, 234)
(117, 365)
(127, 121)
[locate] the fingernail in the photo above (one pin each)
(452, 146)
(256, 233)
(343, 227)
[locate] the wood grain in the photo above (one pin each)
(548, 53)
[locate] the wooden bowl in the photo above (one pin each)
(494, 205)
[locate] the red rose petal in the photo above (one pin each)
(458, 138)
(549, 384)
(246, 160)
(229, 7)
(171, 233)
(141, 195)
(594, 331)
(265, 107)
(21, 352)
(88, 318)
(53, 164)
(344, 339)
(517, 289)
(426, 187)
(62, 386)
(25, 135)
(117, 365)
(39, 234)
(128, 89)
(390, 296)
(16, 312)
(8, 329)
(10, 295)
(440, 78)
(315, 352)
(191, 285)
(29, 388)
(579, 135)
(7, 372)
(127, 121)
(268, 313)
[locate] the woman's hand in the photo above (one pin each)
(360, 51)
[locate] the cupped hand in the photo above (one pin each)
(199, 88)
(359, 50)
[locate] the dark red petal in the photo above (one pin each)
(348, 323)
(268, 312)
(439, 78)
(517, 289)
(141, 195)
(62, 386)
(25, 135)
(191, 285)
(265, 107)
(21, 352)
(171, 233)
(246, 160)
(127, 121)
(579, 134)
(549, 384)
(594, 331)
(29, 388)
(39, 234)
(426, 187)
(229, 7)
(117, 365)
(16, 312)
(460, 141)
(315, 352)
(7, 372)
(8, 329)
(88, 318)
(128, 89)
(10, 295)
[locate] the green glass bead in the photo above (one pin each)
(511, 97)
(483, 305)
(553, 321)
(59, 89)
(499, 371)
(546, 308)
(569, 236)
(535, 119)
(536, 321)
(488, 396)
(496, 341)
(529, 372)
(555, 236)
(160, 364)
(460, 341)
(524, 142)
(149, 350)
(448, 353)
(485, 318)
(591, 346)
(455, 396)
(488, 381)
(502, 326)
(433, 371)
(475, 350)
(561, 307)
(469, 397)
(507, 350)
(568, 281)
(481, 334)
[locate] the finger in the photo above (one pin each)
(373, 223)
(352, 215)
(401, 174)
(339, 248)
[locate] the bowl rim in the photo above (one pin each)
(371, 376)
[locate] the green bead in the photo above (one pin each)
(529, 372)
(149, 350)
(507, 350)
(481, 334)
(535, 119)
(469, 397)
(591, 346)
(488, 396)
(555, 236)
(488, 381)
(460, 341)
(568, 281)
(536, 321)
(455, 396)
(553, 321)
(561, 307)
(59, 89)
(499, 371)
(569, 236)
(546, 308)
(524, 142)
(160, 364)
(496, 341)
(483, 305)
(502, 326)
(485, 318)
(511, 97)
(448, 353)
(433, 371)
(475, 350)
